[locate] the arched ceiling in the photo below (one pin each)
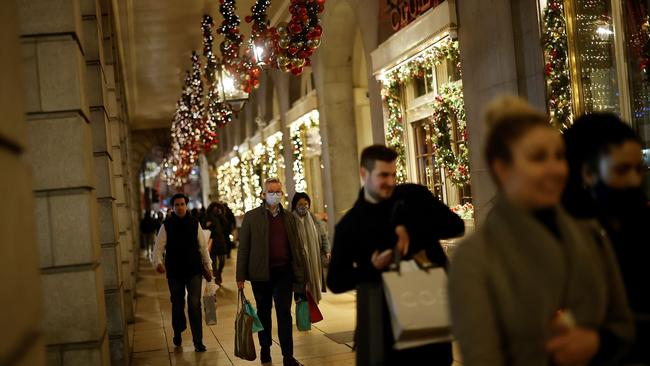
(156, 41)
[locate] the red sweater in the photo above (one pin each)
(279, 252)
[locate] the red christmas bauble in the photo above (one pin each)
(296, 71)
(248, 19)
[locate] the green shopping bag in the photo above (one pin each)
(250, 310)
(303, 318)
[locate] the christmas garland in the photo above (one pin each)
(296, 41)
(558, 80)
(230, 188)
(392, 83)
(218, 112)
(297, 130)
(449, 115)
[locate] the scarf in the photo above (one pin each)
(308, 234)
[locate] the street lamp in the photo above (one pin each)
(231, 93)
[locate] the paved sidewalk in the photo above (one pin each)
(152, 332)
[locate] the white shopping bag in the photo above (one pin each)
(418, 304)
(210, 302)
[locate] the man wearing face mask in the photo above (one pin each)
(605, 183)
(271, 257)
(385, 218)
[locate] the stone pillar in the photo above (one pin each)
(102, 149)
(333, 77)
(60, 151)
(21, 342)
(500, 54)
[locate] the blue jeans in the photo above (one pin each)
(177, 288)
(279, 290)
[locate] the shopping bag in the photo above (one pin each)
(418, 304)
(303, 321)
(210, 309)
(314, 312)
(250, 310)
(244, 345)
(209, 303)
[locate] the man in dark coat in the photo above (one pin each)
(386, 217)
(185, 250)
(272, 257)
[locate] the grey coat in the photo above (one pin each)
(508, 279)
(253, 250)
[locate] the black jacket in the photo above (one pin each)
(368, 227)
(218, 234)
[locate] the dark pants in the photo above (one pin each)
(218, 262)
(177, 288)
(278, 290)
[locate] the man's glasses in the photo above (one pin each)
(274, 193)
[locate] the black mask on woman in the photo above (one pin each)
(623, 200)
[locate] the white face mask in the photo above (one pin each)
(272, 199)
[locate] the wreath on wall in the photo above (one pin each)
(449, 126)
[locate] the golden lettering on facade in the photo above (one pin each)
(403, 12)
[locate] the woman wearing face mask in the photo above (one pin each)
(607, 171)
(314, 237)
(533, 287)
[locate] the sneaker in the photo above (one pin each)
(290, 361)
(265, 356)
(177, 339)
(199, 347)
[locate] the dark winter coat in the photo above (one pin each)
(369, 227)
(182, 254)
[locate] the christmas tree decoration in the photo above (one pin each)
(230, 185)
(450, 130)
(558, 80)
(296, 41)
(392, 83)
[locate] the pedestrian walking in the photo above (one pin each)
(271, 257)
(218, 244)
(605, 184)
(364, 242)
(532, 286)
(181, 252)
(313, 235)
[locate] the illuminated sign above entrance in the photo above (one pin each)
(403, 12)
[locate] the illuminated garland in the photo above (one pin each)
(230, 185)
(274, 156)
(558, 80)
(296, 41)
(218, 113)
(297, 131)
(392, 83)
(449, 114)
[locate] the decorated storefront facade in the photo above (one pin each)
(597, 58)
(424, 115)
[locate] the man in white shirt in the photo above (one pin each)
(185, 259)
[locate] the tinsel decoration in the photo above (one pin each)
(392, 83)
(558, 80)
(296, 41)
(448, 123)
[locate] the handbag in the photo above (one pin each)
(244, 345)
(314, 312)
(418, 304)
(303, 320)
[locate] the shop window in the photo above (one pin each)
(595, 51)
(428, 172)
(424, 84)
(638, 56)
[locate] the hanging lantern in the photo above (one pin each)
(232, 94)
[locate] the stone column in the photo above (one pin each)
(333, 78)
(102, 149)
(500, 53)
(60, 151)
(21, 342)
